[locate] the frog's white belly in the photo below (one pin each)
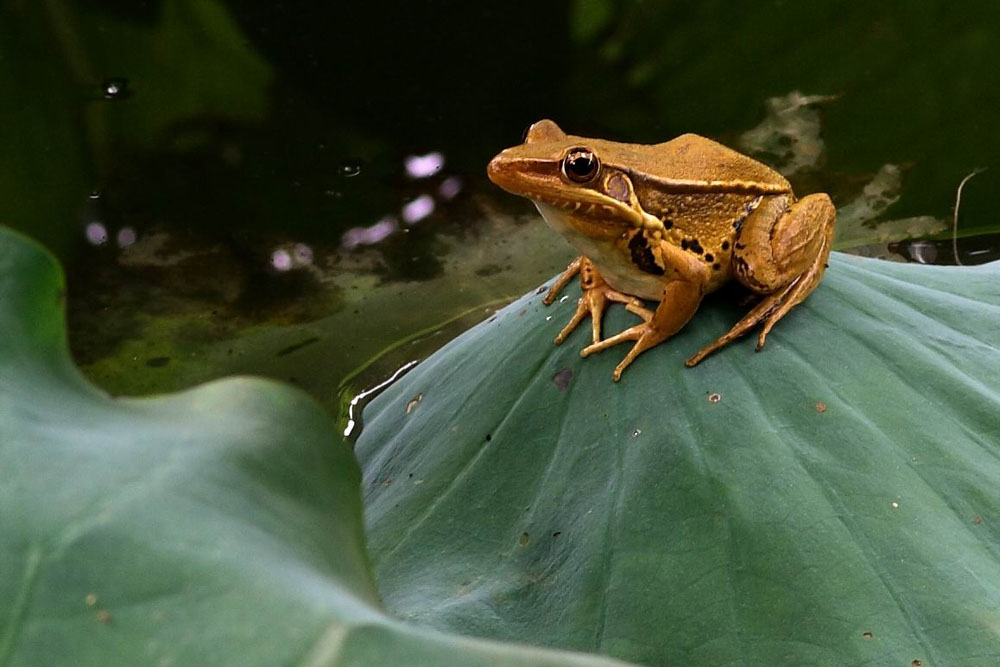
(615, 268)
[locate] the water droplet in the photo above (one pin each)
(115, 89)
(563, 298)
(636, 433)
(350, 167)
(714, 398)
(95, 195)
(895, 505)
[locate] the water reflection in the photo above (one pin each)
(281, 260)
(450, 187)
(418, 209)
(96, 233)
(126, 237)
(115, 89)
(350, 168)
(422, 166)
(966, 251)
(351, 430)
(369, 235)
(300, 256)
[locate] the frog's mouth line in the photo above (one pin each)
(538, 187)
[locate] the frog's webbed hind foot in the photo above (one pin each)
(770, 309)
(596, 295)
(814, 218)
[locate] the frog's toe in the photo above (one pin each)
(632, 333)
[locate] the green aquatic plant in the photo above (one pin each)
(219, 526)
(831, 500)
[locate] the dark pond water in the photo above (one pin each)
(291, 189)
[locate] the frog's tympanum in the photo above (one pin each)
(669, 222)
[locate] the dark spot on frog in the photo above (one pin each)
(684, 244)
(158, 362)
(696, 247)
(489, 270)
(642, 256)
(563, 378)
(618, 188)
(716, 266)
(725, 245)
(668, 223)
(709, 257)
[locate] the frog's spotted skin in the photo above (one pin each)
(670, 222)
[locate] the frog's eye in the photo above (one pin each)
(581, 165)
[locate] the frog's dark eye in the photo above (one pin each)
(581, 165)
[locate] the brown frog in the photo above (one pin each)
(669, 222)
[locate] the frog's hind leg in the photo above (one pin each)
(596, 295)
(781, 252)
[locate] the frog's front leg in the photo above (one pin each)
(682, 295)
(781, 252)
(596, 294)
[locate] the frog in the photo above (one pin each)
(668, 222)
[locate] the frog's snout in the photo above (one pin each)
(499, 170)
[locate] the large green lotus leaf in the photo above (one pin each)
(212, 527)
(832, 500)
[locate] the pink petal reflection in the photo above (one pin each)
(450, 187)
(368, 235)
(422, 166)
(418, 209)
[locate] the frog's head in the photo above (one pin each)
(576, 182)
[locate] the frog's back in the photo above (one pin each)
(708, 165)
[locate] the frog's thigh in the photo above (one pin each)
(779, 242)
